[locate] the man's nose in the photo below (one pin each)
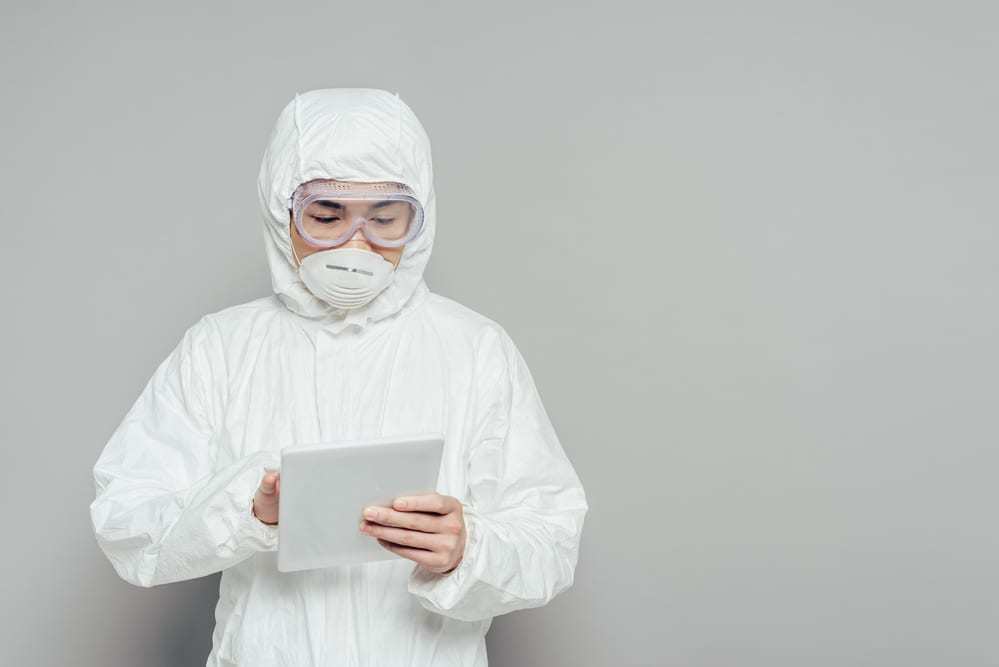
(358, 240)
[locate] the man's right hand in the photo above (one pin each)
(265, 501)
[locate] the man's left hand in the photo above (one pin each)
(429, 530)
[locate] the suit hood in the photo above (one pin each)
(350, 134)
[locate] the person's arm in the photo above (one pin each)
(525, 505)
(163, 512)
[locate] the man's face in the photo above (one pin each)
(352, 209)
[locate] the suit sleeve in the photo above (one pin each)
(163, 510)
(524, 507)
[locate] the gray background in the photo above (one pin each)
(749, 251)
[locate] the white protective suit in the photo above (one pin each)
(175, 482)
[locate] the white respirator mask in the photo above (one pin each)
(346, 277)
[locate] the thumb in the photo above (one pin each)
(268, 485)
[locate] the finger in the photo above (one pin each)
(428, 559)
(403, 537)
(428, 523)
(433, 502)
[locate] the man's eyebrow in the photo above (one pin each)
(387, 202)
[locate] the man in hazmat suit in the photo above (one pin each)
(351, 345)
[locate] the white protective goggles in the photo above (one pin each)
(328, 213)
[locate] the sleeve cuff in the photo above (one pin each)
(441, 592)
(260, 535)
(250, 532)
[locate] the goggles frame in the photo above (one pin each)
(317, 190)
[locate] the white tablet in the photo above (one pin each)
(325, 487)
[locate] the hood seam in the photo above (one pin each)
(298, 143)
(398, 139)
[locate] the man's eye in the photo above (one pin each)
(324, 220)
(384, 221)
